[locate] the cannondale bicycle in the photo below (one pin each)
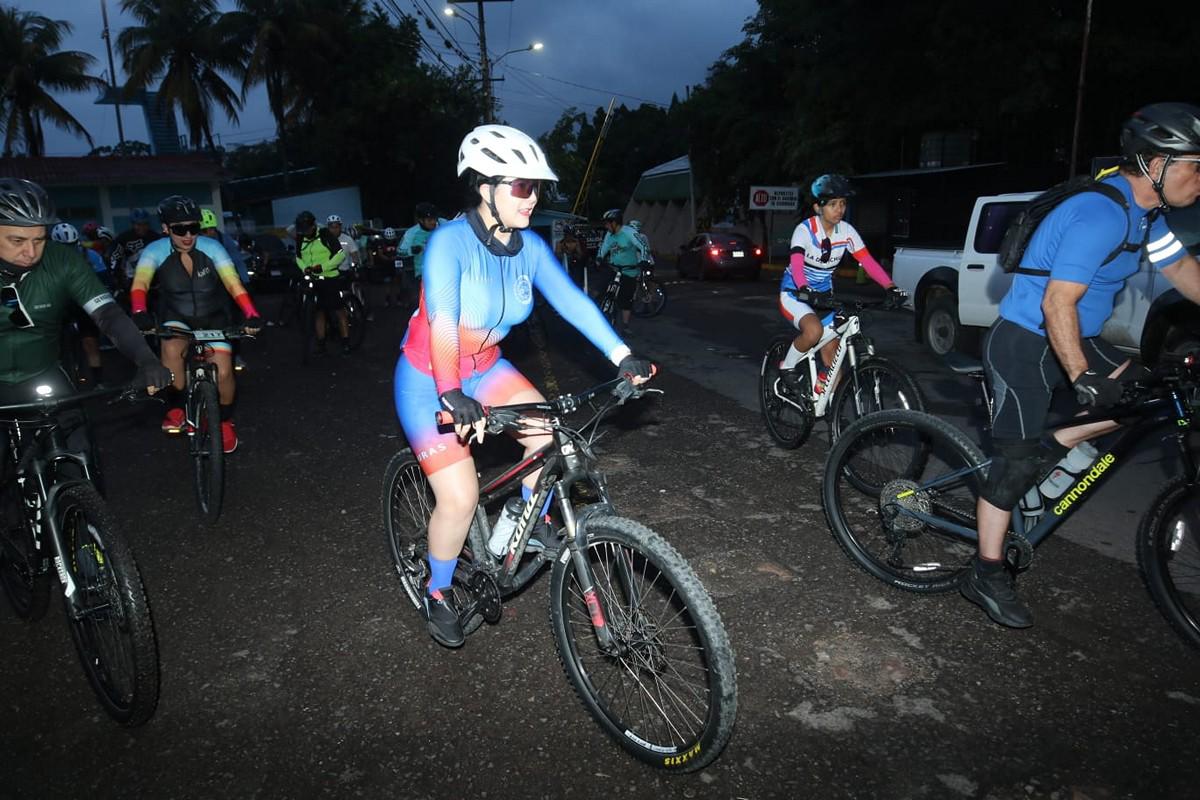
(792, 403)
(900, 491)
(637, 634)
(53, 522)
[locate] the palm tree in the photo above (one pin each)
(31, 67)
(181, 44)
(278, 37)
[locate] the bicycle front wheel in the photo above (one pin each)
(207, 450)
(889, 464)
(649, 298)
(787, 410)
(356, 322)
(876, 385)
(108, 613)
(1168, 554)
(24, 568)
(407, 504)
(666, 690)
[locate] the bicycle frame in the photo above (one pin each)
(1152, 413)
(847, 331)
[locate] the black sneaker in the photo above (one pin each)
(442, 614)
(795, 378)
(997, 595)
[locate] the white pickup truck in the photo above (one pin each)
(956, 294)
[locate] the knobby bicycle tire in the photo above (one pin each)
(407, 503)
(1168, 555)
(208, 453)
(668, 696)
(649, 298)
(24, 569)
(108, 613)
(308, 319)
(879, 385)
(788, 425)
(356, 322)
(873, 472)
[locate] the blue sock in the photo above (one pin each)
(527, 493)
(441, 572)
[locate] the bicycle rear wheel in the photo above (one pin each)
(207, 450)
(356, 320)
(108, 613)
(1168, 553)
(787, 411)
(24, 569)
(667, 690)
(884, 465)
(649, 298)
(876, 385)
(407, 503)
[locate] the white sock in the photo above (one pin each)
(793, 357)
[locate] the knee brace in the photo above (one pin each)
(1015, 465)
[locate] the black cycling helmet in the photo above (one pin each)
(425, 210)
(827, 187)
(1162, 129)
(24, 204)
(613, 215)
(178, 208)
(305, 222)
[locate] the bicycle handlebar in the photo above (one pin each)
(199, 335)
(499, 417)
(841, 306)
(47, 405)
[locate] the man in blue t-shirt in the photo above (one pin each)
(1048, 333)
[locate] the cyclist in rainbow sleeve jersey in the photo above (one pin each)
(196, 278)
(478, 280)
(818, 245)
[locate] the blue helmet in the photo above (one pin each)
(139, 216)
(827, 187)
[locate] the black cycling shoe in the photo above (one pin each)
(997, 595)
(442, 615)
(795, 378)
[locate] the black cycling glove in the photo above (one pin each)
(895, 297)
(632, 366)
(820, 300)
(152, 373)
(465, 410)
(1094, 389)
(144, 320)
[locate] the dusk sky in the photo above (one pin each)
(637, 50)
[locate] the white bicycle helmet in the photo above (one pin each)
(104, 233)
(65, 233)
(333, 219)
(635, 224)
(496, 151)
(389, 233)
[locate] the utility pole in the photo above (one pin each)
(1087, 31)
(485, 64)
(112, 74)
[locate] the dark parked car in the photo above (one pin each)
(712, 254)
(271, 262)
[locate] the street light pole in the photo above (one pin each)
(485, 66)
(1087, 31)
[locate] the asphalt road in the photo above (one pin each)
(292, 666)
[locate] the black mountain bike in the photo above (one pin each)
(900, 489)
(307, 308)
(53, 521)
(638, 636)
(202, 415)
(649, 296)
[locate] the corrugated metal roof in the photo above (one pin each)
(107, 170)
(681, 164)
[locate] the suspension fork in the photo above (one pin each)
(576, 550)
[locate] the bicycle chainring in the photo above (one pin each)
(485, 596)
(897, 496)
(1018, 551)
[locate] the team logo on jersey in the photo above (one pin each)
(523, 290)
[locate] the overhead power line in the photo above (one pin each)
(589, 88)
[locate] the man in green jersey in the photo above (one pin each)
(41, 284)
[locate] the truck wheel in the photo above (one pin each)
(1181, 341)
(939, 322)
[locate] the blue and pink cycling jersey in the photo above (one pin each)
(813, 261)
(470, 299)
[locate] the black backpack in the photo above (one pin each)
(1021, 230)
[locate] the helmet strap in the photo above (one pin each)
(1157, 183)
(497, 226)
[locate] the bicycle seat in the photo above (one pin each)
(963, 365)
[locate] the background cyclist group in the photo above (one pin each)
(474, 279)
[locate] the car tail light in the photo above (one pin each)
(714, 252)
(758, 251)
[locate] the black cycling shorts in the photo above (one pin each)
(329, 294)
(625, 289)
(1024, 372)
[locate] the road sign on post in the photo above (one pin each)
(774, 198)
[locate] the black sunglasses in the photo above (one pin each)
(185, 228)
(522, 188)
(19, 317)
(826, 250)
